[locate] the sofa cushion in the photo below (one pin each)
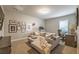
(42, 34)
(37, 33)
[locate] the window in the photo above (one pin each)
(63, 26)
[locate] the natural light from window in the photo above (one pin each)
(63, 26)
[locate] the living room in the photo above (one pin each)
(21, 22)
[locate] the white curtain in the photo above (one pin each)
(78, 39)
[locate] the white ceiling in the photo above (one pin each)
(55, 10)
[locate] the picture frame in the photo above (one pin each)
(1, 23)
(18, 26)
(12, 22)
(29, 27)
(12, 28)
(23, 28)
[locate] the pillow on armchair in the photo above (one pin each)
(42, 34)
(50, 37)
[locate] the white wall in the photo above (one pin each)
(52, 25)
(19, 17)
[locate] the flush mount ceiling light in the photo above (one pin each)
(43, 11)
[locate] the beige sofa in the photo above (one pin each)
(48, 40)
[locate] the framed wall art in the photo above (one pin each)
(23, 28)
(18, 26)
(1, 23)
(12, 22)
(12, 28)
(29, 27)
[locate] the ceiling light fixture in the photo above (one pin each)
(44, 11)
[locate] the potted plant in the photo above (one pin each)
(41, 28)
